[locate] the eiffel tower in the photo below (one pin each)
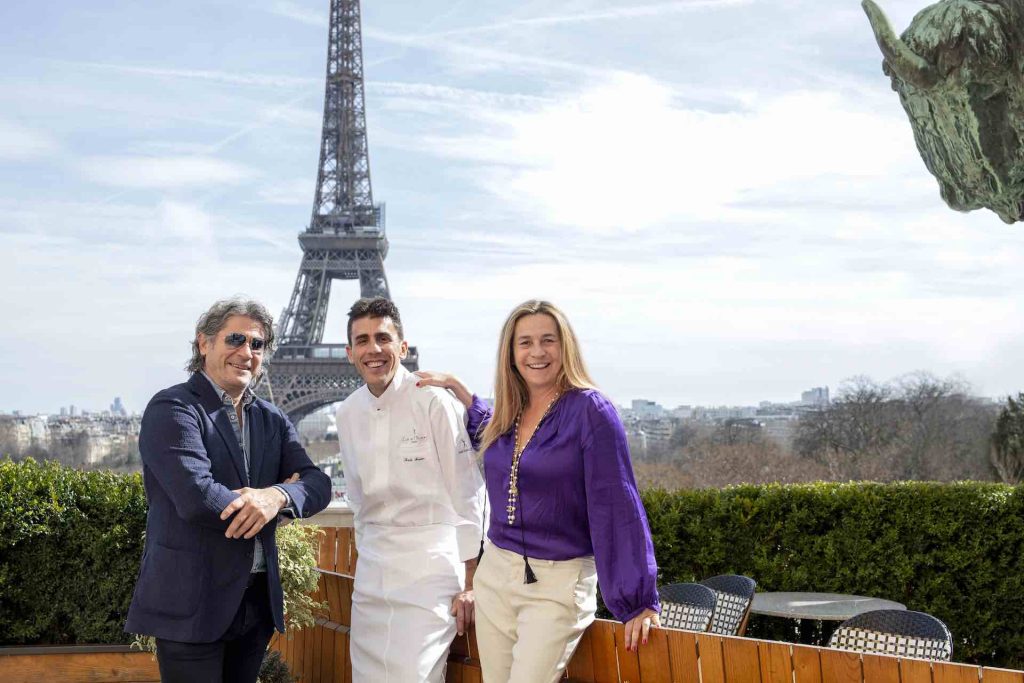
(345, 239)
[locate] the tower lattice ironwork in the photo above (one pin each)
(345, 239)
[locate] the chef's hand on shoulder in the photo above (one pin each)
(252, 510)
(462, 610)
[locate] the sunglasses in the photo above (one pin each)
(237, 339)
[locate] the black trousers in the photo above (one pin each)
(236, 657)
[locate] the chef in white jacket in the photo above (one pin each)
(417, 496)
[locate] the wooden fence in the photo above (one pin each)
(320, 654)
(77, 664)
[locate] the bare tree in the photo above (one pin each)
(1008, 441)
(915, 427)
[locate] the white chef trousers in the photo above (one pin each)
(406, 578)
(526, 633)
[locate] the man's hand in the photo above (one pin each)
(254, 508)
(462, 610)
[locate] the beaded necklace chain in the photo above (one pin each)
(517, 454)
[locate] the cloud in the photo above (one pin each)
(297, 12)
(227, 77)
(162, 172)
(295, 192)
(622, 155)
(611, 14)
(20, 143)
(460, 97)
(473, 59)
(191, 225)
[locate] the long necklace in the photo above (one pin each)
(517, 454)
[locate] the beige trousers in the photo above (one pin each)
(526, 633)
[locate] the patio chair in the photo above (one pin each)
(895, 632)
(733, 594)
(688, 606)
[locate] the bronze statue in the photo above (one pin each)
(959, 72)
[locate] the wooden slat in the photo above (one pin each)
(326, 551)
(316, 654)
(453, 673)
(915, 671)
(944, 672)
(332, 585)
(346, 552)
(342, 663)
(581, 666)
(603, 651)
(806, 664)
(839, 666)
(881, 669)
(93, 667)
(712, 667)
(742, 661)
(655, 666)
(1001, 676)
(295, 650)
(629, 662)
(345, 586)
(682, 656)
(326, 656)
(776, 662)
(308, 646)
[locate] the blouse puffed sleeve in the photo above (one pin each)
(478, 414)
(623, 550)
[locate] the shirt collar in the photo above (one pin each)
(401, 375)
(248, 395)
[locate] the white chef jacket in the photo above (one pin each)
(408, 460)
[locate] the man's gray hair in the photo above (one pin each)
(213, 320)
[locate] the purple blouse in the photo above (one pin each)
(577, 497)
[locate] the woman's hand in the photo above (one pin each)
(429, 378)
(638, 627)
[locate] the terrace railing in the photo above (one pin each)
(320, 653)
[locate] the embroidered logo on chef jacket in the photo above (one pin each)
(413, 440)
(462, 446)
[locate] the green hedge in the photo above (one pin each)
(955, 551)
(70, 546)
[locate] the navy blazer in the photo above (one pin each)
(192, 577)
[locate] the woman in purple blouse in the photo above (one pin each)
(565, 511)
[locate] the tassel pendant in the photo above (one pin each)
(529, 576)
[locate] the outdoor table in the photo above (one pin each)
(821, 606)
(815, 615)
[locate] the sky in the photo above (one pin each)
(723, 195)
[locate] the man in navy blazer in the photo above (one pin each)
(219, 466)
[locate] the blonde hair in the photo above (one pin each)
(510, 392)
